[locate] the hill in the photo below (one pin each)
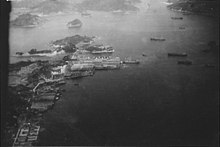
(26, 20)
(107, 5)
(50, 6)
(202, 7)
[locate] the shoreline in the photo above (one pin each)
(191, 13)
(204, 8)
(147, 74)
(33, 80)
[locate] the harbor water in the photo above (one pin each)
(157, 102)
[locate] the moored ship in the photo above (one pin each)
(157, 39)
(176, 17)
(177, 54)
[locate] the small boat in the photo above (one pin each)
(157, 39)
(176, 17)
(58, 94)
(177, 54)
(185, 62)
(57, 98)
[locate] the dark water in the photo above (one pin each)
(155, 103)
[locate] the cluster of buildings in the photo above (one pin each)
(80, 66)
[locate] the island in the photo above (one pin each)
(26, 20)
(66, 45)
(201, 7)
(76, 23)
(76, 39)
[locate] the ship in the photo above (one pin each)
(157, 39)
(176, 17)
(177, 54)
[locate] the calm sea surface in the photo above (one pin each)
(155, 103)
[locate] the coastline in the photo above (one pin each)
(131, 107)
(32, 81)
(204, 8)
(185, 12)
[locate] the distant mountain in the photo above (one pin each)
(33, 3)
(25, 3)
(107, 5)
(26, 20)
(50, 6)
(203, 7)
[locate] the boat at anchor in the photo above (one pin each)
(157, 39)
(177, 54)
